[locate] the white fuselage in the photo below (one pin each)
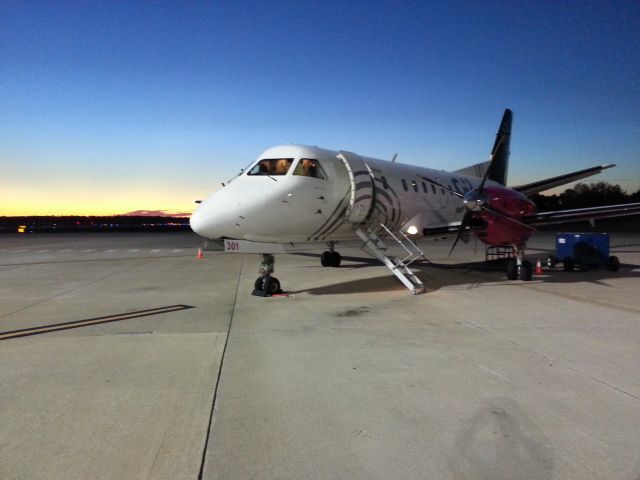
(294, 208)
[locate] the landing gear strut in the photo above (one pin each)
(330, 258)
(266, 285)
(518, 266)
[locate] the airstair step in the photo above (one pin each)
(399, 267)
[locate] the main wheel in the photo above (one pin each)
(335, 259)
(613, 264)
(273, 286)
(526, 269)
(325, 258)
(569, 264)
(512, 269)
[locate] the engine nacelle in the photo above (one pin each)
(495, 229)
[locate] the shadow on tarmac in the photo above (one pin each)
(436, 276)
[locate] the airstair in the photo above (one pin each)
(370, 223)
(372, 242)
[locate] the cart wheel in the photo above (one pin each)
(569, 264)
(613, 264)
(552, 261)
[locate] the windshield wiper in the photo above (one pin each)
(265, 173)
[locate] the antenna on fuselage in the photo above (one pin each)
(395, 155)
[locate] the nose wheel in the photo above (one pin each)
(266, 285)
(519, 267)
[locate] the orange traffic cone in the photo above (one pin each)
(200, 255)
(538, 267)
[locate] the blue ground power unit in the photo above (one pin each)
(585, 250)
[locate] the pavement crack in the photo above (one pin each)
(215, 391)
(592, 301)
(613, 387)
(544, 356)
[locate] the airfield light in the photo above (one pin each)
(22, 228)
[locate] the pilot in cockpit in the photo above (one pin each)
(307, 168)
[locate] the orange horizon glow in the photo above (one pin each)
(81, 201)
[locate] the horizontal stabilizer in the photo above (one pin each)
(537, 187)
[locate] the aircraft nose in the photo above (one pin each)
(209, 222)
(202, 223)
(196, 222)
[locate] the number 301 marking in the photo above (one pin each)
(232, 246)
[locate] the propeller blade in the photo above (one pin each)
(466, 220)
(438, 184)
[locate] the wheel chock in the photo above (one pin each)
(260, 293)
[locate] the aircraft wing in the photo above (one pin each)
(563, 216)
(441, 230)
(537, 187)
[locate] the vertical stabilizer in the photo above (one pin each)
(500, 152)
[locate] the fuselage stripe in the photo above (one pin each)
(334, 226)
(331, 217)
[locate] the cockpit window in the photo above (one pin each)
(271, 166)
(309, 168)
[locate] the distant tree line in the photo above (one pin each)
(584, 196)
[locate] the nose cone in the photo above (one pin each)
(214, 217)
(196, 222)
(209, 222)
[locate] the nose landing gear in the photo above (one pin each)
(519, 267)
(266, 285)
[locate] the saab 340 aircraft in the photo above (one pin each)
(295, 194)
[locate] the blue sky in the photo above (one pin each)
(109, 107)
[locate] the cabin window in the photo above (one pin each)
(308, 167)
(384, 183)
(450, 190)
(433, 189)
(271, 166)
(414, 185)
(424, 188)
(404, 185)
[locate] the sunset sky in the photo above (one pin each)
(113, 107)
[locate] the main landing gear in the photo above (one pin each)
(330, 258)
(518, 266)
(266, 285)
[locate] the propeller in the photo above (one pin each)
(475, 201)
